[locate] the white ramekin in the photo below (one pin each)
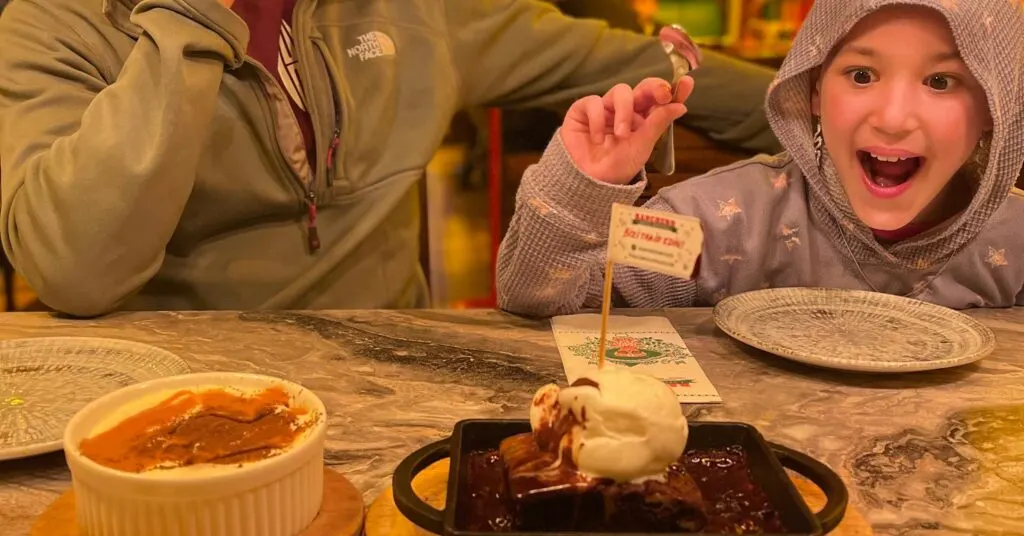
(278, 496)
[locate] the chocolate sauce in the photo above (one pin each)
(484, 505)
(581, 382)
(734, 503)
(530, 470)
(554, 432)
(726, 501)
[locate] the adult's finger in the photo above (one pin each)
(619, 101)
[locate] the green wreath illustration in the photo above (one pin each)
(647, 351)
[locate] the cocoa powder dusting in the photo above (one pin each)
(209, 426)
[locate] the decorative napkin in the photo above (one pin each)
(645, 344)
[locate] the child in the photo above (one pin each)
(903, 128)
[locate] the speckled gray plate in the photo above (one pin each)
(45, 381)
(854, 330)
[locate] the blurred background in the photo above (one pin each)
(471, 183)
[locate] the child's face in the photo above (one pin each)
(900, 114)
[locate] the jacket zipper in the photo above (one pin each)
(314, 238)
(298, 41)
(309, 188)
(312, 235)
(332, 148)
(301, 39)
(335, 141)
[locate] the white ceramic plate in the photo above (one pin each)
(854, 330)
(45, 381)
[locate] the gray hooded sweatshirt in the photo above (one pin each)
(785, 220)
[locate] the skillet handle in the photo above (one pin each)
(409, 504)
(825, 478)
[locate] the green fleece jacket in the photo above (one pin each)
(147, 163)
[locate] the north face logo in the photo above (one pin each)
(372, 45)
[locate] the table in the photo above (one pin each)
(929, 453)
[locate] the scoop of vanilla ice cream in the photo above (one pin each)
(627, 426)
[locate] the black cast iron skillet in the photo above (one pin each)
(767, 461)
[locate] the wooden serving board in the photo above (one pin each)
(341, 513)
(431, 485)
(854, 524)
(383, 517)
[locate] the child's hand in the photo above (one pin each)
(610, 138)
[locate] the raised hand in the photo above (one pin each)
(610, 138)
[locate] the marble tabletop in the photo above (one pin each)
(926, 453)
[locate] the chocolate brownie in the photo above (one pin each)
(547, 492)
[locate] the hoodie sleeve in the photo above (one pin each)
(527, 53)
(552, 259)
(97, 171)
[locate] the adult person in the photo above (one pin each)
(258, 154)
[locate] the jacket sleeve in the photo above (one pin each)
(98, 162)
(527, 53)
(552, 259)
(727, 103)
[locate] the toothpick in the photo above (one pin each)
(606, 306)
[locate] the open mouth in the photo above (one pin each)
(888, 175)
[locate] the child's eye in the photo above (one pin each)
(939, 82)
(861, 77)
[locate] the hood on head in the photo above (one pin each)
(990, 37)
